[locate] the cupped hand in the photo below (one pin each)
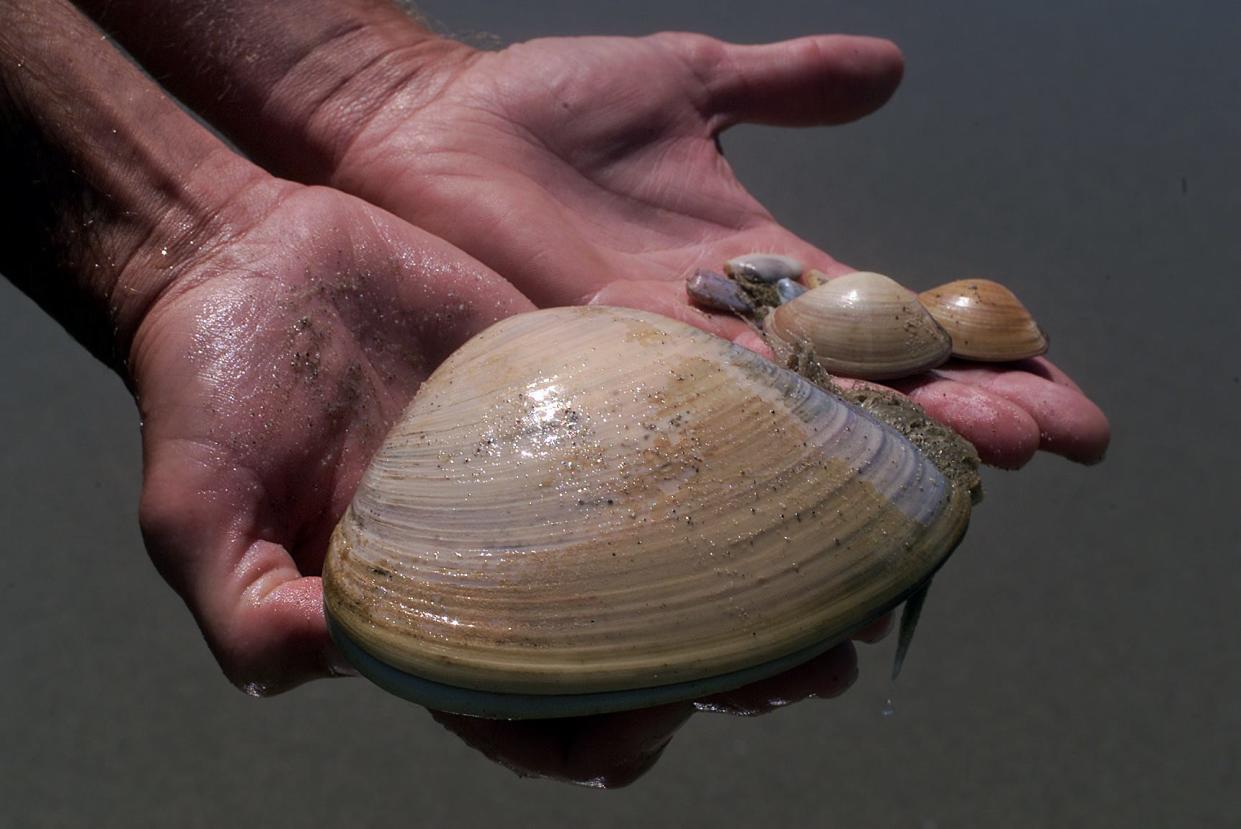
(271, 333)
(267, 374)
(588, 170)
(616, 204)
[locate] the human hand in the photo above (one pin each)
(270, 333)
(583, 169)
(587, 170)
(267, 375)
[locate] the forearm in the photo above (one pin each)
(106, 187)
(290, 82)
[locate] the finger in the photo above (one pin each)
(824, 79)
(1046, 369)
(606, 751)
(274, 636)
(1069, 423)
(668, 299)
(876, 631)
(262, 619)
(1003, 432)
(827, 675)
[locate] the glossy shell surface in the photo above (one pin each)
(764, 267)
(863, 325)
(985, 320)
(788, 290)
(591, 501)
(716, 292)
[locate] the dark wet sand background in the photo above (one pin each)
(1077, 663)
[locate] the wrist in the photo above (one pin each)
(333, 94)
(291, 83)
(106, 188)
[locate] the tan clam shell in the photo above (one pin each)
(985, 320)
(863, 325)
(582, 500)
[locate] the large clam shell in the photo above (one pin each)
(985, 320)
(863, 325)
(589, 509)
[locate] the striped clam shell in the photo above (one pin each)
(591, 509)
(985, 320)
(863, 325)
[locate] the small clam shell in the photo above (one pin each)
(985, 320)
(592, 509)
(863, 325)
(764, 267)
(717, 292)
(788, 290)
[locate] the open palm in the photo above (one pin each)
(568, 164)
(587, 170)
(581, 169)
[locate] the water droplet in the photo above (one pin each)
(889, 709)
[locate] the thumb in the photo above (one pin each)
(273, 635)
(262, 619)
(817, 80)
